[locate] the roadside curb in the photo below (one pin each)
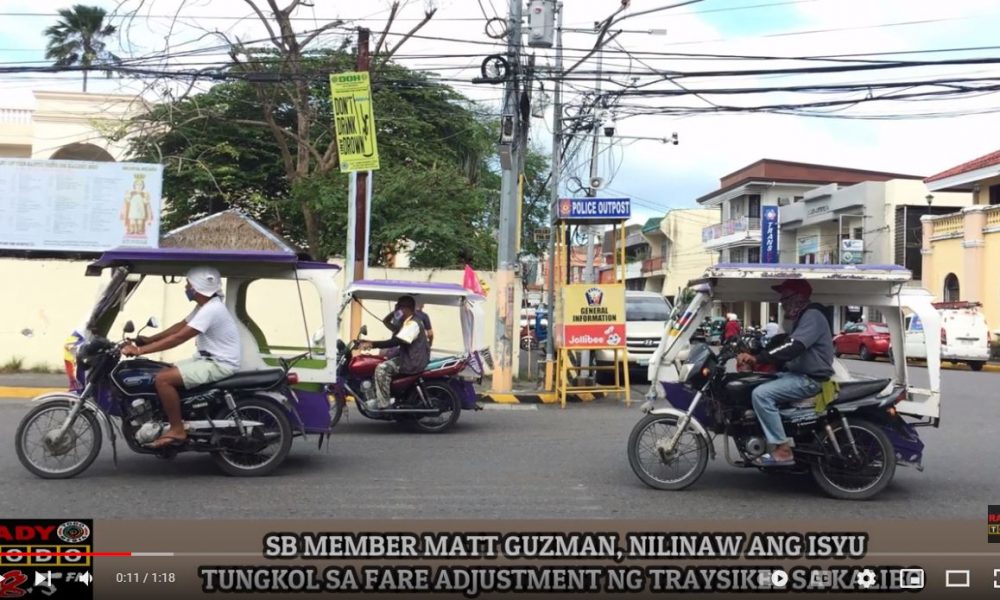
(539, 397)
(21, 392)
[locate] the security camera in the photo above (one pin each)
(596, 183)
(672, 139)
(609, 130)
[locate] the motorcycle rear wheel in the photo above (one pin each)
(439, 395)
(857, 479)
(276, 428)
(86, 426)
(644, 457)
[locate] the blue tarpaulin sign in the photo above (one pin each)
(595, 209)
(769, 234)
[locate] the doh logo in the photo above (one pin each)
(594, 296)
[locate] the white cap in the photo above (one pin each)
(205, 280)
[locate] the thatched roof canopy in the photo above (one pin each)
(227, 230)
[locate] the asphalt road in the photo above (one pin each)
(532, 462)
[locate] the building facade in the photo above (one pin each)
(63, 126)
(676, 252)
(961, 250)
(742, 195)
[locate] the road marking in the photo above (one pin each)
(492, 406)
(15, 392)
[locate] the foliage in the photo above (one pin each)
(78, 39)
(435, 189)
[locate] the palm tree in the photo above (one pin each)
(77, 39)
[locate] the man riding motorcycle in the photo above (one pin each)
(414, 352)
(218, 343)
(807, 357)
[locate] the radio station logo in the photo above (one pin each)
(73, 532)
(46, 558)
(993, 524)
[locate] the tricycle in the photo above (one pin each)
(246, 421)
(431, 401)
(850, 441)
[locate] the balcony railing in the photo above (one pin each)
(730, 227)
(652, 265)
(993, 217)
(949, 225)
(15, 116)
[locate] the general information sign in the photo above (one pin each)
(354, 121)
(593, 316)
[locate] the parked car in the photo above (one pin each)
(646, 316)
(965, 336)
(866, 339)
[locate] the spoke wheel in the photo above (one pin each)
(654, 465)
(48, 456)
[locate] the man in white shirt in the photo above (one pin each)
(218, 343)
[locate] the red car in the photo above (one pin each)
(867, 340)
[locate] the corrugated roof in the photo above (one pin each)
(652, 224)
(988, 160)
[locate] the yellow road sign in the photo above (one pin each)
(354, 121)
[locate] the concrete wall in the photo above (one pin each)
(687, 258)
(47, 299)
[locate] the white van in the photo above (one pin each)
(646, 315)
(964, 334)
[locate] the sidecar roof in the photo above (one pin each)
(831, 284)
(177, 261)
(448, 294)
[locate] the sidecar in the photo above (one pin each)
(885, 290)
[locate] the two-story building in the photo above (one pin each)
(742, 194)
(676, 252)
(961, 250)
(637, 250)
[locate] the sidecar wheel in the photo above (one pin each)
(671, 473)
(60, 459)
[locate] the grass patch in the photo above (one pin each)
(14, 364)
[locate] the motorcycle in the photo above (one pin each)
(847, 447)
(431, 401)
(242, 421)
(851, 446)
(428, 400)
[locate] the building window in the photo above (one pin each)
(736, 255)
(753, 206)
(995, 194)
(753, 255)
(951, 289)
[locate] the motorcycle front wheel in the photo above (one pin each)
(265, 448)
(657, 469)
(857, 477)
(48, 457)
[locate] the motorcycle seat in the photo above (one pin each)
(262, 378)
(855, 390)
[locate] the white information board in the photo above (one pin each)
(79, 205)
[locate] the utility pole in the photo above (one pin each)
(504, 335)
(590, 273)
(557, 141)
(362, 202)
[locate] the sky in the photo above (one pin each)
(656, 176)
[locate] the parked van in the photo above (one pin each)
(965, 336)
(646, 315)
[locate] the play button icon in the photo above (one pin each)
(779, 578)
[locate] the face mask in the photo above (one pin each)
(794, 306)
(190, 293)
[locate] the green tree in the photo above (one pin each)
(436, 190)
(78, 39)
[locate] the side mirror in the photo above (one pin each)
(129, 327)
(363, 330)
(153, 322)
(318, 337)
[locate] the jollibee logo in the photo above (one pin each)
(73, 532)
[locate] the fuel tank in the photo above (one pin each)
(363, 366)
(135, 377)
